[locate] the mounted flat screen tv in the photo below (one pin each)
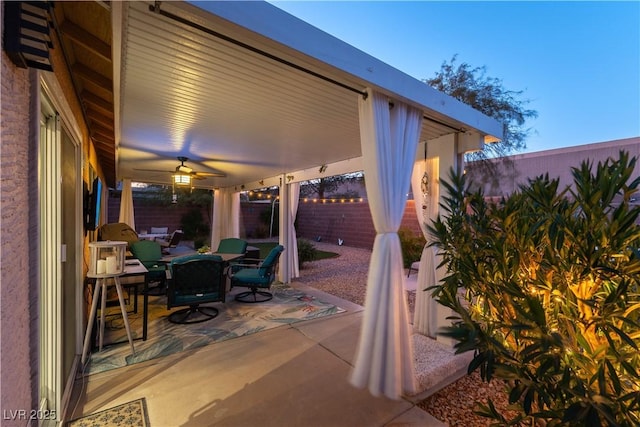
(92, 207)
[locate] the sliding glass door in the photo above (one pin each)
(60, 259)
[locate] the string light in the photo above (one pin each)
(333, 200)
(267, 196)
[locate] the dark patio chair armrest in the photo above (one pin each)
(251, 261)
(235, 267)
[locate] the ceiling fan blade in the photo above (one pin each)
(209, 174)
(152, 170)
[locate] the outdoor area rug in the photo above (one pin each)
(235, 320)
(128, 414)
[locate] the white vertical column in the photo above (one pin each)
(284, 210)
(445, 149)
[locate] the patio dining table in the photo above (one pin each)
(225, 256)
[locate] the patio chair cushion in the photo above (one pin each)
(251, 276)
(149, 253)
(232, 245)
(270, 260)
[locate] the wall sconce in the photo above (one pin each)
(26, 33)
(322, 169)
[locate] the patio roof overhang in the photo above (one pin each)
(246, 89)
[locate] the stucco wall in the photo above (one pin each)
(18, 334)
(557, 163)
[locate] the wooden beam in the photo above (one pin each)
(93, 76)
(102, 129)
(107, 159)
(97, 117)
(97, 102)
(86, 39)
(103, 137)
(102, 145)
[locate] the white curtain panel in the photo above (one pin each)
(425, 315)
(126, 205)
(389, 138)
(225, 216)
(292, 240)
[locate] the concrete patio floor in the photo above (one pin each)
(293, 375)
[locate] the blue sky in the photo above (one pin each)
(577, 62)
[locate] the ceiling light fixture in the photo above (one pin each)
(182, 180)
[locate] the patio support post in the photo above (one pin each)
(284, 213)
(425, 188)
(430, 316)
(389, 137)
(291, 253)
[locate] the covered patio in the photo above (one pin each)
(294, 374)
(253, 98)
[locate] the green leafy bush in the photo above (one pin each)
(306, 252)
(412, 246)
(195, 228)
(545, 290)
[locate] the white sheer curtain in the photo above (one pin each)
(389, 138)
(225, 216)
(425, 318)
(292, 241)
(126, 205)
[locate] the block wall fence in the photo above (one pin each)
(350, 221)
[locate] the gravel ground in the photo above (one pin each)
(346, 277)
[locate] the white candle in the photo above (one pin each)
(112, 266)
(101, 267)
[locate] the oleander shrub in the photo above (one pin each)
(544, 286)
(411, 245)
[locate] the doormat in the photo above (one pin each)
(128, 414)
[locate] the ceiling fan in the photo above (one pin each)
(183, 173)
